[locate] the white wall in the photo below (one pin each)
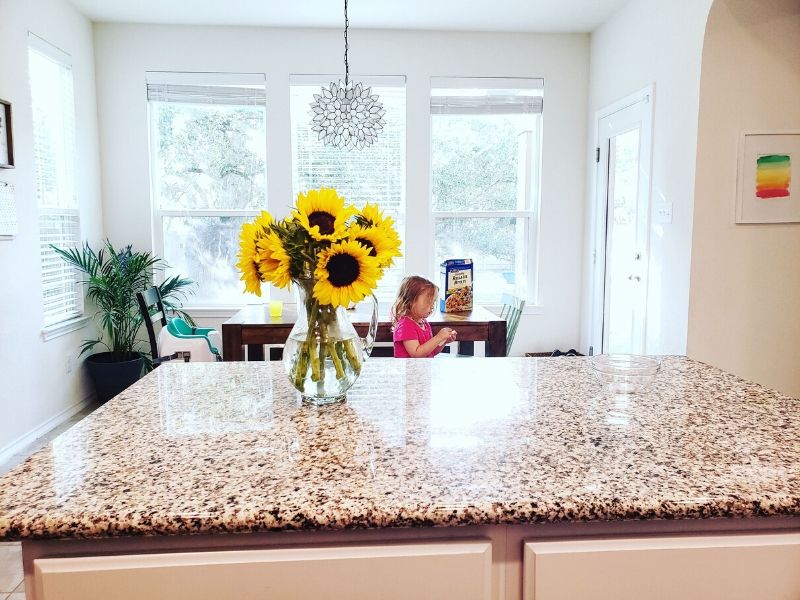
(655, 42)
(35, 387)
(126, 52)
(745, 290)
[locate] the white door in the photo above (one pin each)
(622, 224)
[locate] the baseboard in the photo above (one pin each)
(25, 440)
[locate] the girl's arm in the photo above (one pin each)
(435, 344)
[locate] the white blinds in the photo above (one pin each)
(206, 94)
(474, 96)
(481, 105)
(53, 109)
(238, 89)
(60, 291)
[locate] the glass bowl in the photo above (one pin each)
(625, 373)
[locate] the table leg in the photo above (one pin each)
(232, 349)
(466, 348)
(496, 344)
(255, 352)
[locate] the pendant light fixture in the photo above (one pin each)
(347, 115)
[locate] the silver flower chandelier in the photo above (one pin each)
(347, 115)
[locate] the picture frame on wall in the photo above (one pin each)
(6, 137)
(768, 171)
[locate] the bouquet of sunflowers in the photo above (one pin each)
(335, 254)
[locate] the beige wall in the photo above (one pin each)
(745, 279)
(37, 391)
(652, 42)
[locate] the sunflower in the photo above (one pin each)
(373, 216)
(323, 214)
(273, 261)
(345, 273)
(263, 222)
(381, 246)
(248, 258)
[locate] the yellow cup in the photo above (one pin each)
(275, 308)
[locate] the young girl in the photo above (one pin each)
(413, 336)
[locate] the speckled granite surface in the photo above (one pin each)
(199, 448)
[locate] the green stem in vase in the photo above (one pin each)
(301, 367)
(323, 349)
(314, 357)
(309, 349)
(337, 361)
(352, 355)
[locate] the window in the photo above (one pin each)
(375, 174)
(53, 109)
(485, 162)
(208, 174)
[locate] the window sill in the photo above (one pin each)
(528, 310)
(53, 331)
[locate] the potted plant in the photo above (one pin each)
(113, 279)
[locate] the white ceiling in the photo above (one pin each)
(461, 15)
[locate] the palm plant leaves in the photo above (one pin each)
(113, 277)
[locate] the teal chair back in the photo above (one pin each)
(511, 312)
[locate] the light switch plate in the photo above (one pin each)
(664, 212)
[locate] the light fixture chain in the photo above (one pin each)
(346, 115)
(346, 65)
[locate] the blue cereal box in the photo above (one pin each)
(456, 290)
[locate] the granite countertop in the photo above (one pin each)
(226, 447)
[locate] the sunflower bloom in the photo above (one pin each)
(345, 273)
(323, 214)
(380, 244)
(248, 258)
(273, 261)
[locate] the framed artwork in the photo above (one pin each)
(769, 168)
(6, 139)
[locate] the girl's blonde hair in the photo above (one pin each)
(410, 289)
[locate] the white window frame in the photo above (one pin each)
(158, 215)
(71, 315)
(532, 176)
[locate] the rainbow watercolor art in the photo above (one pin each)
(773, 176)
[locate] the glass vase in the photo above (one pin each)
(323, 355)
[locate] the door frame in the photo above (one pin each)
(599, 213)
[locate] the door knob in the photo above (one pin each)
(634, 278)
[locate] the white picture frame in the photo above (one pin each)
(768, 185)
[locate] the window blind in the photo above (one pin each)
(486, 95)
(238, 89)
(481, 105)
(60, 290)
(207, 94)
(53, 110)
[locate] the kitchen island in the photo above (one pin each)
(479, 478)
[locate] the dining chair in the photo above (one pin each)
(177, 338)
(511, 312)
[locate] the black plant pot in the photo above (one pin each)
(111, 377)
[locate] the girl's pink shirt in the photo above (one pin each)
(407, 329)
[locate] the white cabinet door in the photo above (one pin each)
(736, 567)
(448, 570)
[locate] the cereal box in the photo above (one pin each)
(456, 290)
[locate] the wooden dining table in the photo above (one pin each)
(253, 327)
